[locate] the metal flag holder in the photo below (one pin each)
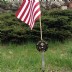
(42, 46)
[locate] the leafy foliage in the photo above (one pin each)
(57, 25)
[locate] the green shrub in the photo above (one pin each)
(57, 25)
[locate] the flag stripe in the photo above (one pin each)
(31, 10)
(24, 12)
(37, 15)
(23, 8)
(17, 13)
(36, 12)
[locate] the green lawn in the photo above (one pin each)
(25, 57)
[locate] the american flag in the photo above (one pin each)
(29, 12)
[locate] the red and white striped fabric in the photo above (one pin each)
(29, 12)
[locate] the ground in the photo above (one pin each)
(25, 57)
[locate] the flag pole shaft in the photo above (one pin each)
(43, 62)
(41, 29)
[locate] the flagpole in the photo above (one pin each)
(43, 62)
(41, 29)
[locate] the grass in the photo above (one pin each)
(25, 57)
